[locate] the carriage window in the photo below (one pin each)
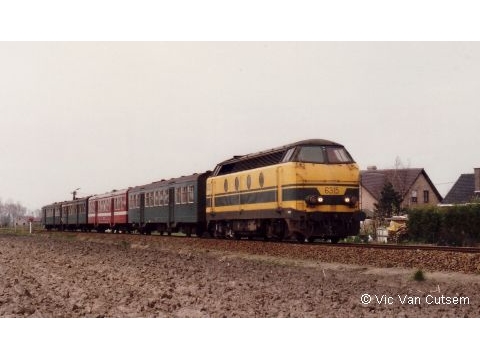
(178, 196)
(191, 195)
(184, 195)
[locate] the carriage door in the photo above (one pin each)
(142, 208)
(171, 205)
(112, 212)
(77, 213)
(96, 212)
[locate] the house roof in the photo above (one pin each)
(462, 191)
(401, 179)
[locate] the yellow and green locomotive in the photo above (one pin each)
(305, 190)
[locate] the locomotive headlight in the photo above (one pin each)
(350, 200)
(313, 200)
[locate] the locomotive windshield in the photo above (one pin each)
(324, 154)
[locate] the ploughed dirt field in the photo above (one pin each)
(93, 275)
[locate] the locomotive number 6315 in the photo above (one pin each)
(332, 190)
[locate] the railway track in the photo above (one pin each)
(393, 247)
(412, 247)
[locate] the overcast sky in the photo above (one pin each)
(103, 116)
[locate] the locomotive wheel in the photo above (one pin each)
(299, 237)
(280, 236)
(334, 239)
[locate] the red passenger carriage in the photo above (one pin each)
(109, 211)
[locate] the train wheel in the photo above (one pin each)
(280, 235)
(334, 239)
(299, 237)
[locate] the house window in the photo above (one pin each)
(414, 197)
(426, 196)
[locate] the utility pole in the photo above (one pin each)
(74, 193)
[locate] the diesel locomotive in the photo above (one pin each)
(305, 190)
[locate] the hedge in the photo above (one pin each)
(454, 225)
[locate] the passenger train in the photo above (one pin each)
(306, 190)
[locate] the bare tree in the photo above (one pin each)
(37, 213)
(400, 177)
(10, 212)
(4, 221)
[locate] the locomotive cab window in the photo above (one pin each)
(338, 155)
(288, 156)
(311, 154)
(323, 155)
